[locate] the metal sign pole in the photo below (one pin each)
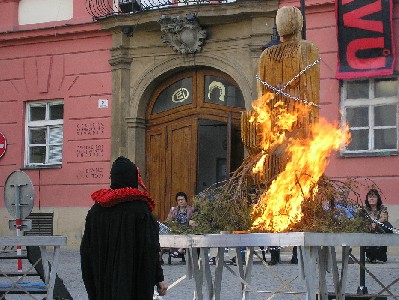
(18, 222)
(19, 198)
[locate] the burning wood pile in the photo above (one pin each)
(299, 198)
(288, 164)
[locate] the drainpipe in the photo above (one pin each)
(304, 19)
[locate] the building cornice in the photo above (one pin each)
(20, 36)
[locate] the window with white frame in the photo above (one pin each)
(370, 108)
(42, 11)
(44, 133)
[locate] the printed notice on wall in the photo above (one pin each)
(102, 103)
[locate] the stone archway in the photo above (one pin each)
(192, 121)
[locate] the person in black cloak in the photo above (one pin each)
(120, 245)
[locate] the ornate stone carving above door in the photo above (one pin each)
(184, 35)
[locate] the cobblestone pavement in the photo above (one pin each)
(266, 279)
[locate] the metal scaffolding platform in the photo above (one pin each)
(317, 255)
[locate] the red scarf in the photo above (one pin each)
(109, 197)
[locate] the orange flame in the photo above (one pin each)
(259, 165)
(274, 123)
(280, 205)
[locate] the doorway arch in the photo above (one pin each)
(193, 134)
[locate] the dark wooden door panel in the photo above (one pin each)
(155, 168)
(181, 159)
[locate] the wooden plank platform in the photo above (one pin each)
(54, 240)
(16, 274)
(13, 257)
(332, 296)
(279, 239)
(49, 250)
(23, 288)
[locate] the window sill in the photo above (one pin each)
(369, 154)
(42, 167)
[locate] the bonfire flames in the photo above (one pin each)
(306, 160)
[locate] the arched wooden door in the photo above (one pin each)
(193, 135)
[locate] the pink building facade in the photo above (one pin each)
(56, 100)
(379, 167)
(64, 63)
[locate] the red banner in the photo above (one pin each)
(365, 39)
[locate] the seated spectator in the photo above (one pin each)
(181, 216)
(377, 215)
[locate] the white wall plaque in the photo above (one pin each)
(102, 103)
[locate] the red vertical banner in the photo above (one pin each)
(365, 40)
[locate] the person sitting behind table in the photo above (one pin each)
(181, 216)
(376, 211)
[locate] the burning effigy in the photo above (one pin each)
(292, 144)
(281, 185)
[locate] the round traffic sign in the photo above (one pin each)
(3, 144)
(19, 194)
